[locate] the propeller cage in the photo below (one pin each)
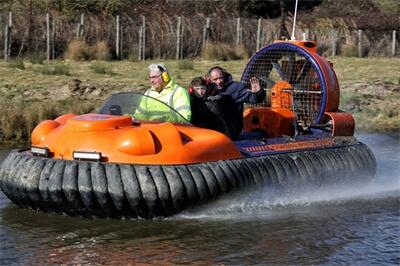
(296, 78)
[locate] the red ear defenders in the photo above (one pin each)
(210, 90)
(164, 74)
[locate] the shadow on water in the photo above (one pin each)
(334, 225)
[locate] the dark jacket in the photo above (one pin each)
(207, 113)
(240, 92)
(235, 94)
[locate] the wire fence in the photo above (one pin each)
(163, 37)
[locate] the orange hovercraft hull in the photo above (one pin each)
(104, 165)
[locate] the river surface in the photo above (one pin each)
(351, 226)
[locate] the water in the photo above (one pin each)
(355, 225)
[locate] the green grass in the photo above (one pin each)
(38, 92)
(17, 63)
(101, 68)
(54, 70)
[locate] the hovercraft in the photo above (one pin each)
(138, 158)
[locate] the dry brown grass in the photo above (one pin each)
(100, 51)
(79, 50)
(21, 118)
(223, 52)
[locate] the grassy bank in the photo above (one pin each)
(31, 91)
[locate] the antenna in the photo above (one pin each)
(294, 21)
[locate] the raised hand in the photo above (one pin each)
(255, 84)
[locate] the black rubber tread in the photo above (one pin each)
(344, 165)
(351, 163)
(133, 192)
(222, 181)
(19, 183)
(280, 172)
(5, 169)
(264, 174)
(310, 167)
(55, 185)
(211, 181)
(318, 168)
(122, 190)
(163, 189)
(201, 185)
(291, 170)
(244, 173)
(302, 169)
(189, 183)
(178, 190)
(43, 187)
(149, 191)
(85, 188)
(255, 175)
(101, 192)
(334, 166)
(369, 163)
(329, 174)
(70, 189)
(237, 173)
(32, 185)
(12, 183)
(273, 176)
(230, 176)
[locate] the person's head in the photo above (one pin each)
(158, 76)
(198, 87)
(217, 76)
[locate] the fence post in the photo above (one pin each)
(182, 45)
(394, 43)
(48, 37)
(53, 38)
(238, 40)
(117, 39)
(7, 38)
(334, 42)
(6, 43)
(360, 54)
(140, 42)
(258, 35)
(178, 38)
(206, 32)
(79, 31)
(144, 38)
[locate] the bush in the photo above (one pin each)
(223, 51)
(78, 50)
(100, 51)
(349, 50)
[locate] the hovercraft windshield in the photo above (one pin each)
(141, 107)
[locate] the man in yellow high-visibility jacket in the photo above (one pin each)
(165, 89)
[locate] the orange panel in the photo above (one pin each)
(343, 123)
(274, 121)
(119, 141)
